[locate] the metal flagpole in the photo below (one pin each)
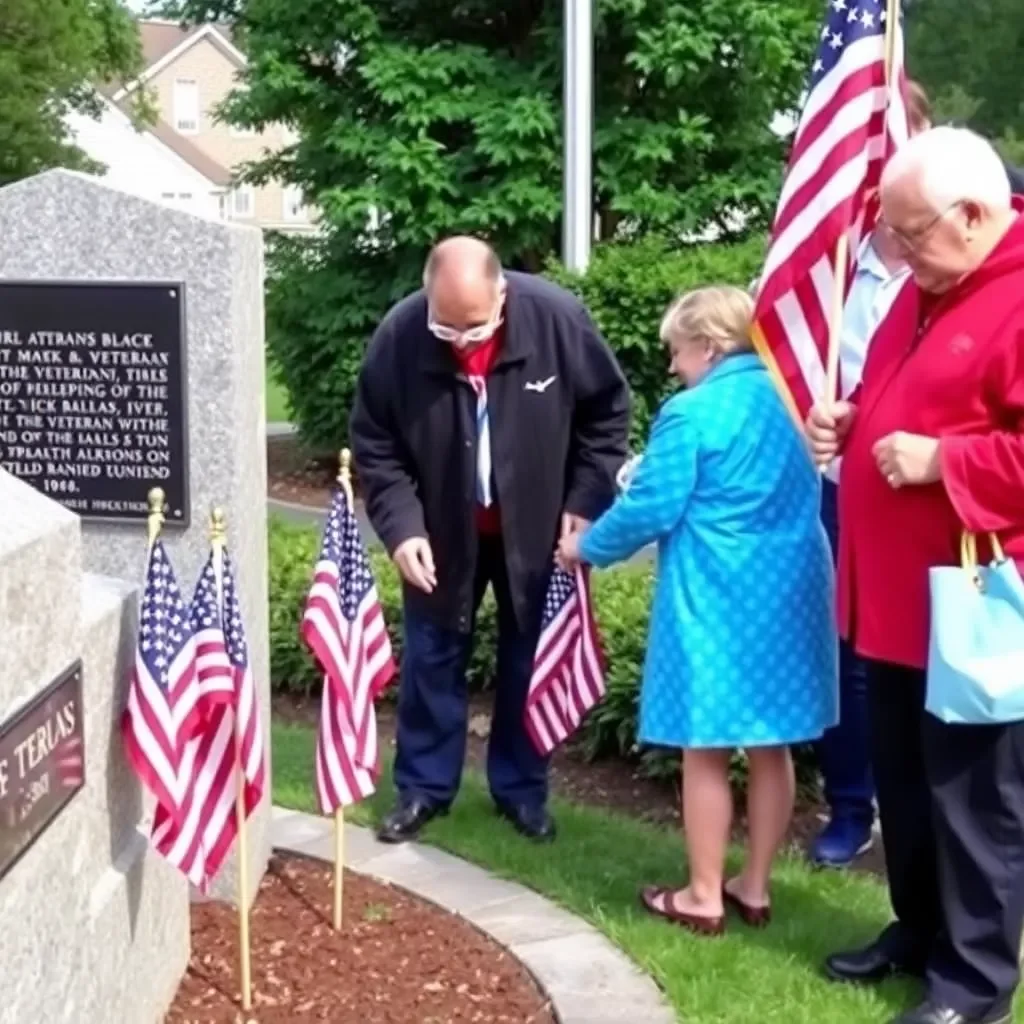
(577, 203)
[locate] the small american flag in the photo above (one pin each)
(568, 668)
(198, 839)
(343, 625)
(164, 706)
(850, 124)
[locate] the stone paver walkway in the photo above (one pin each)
(587, 978)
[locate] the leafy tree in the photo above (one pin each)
(51, 51)
(968, 57)
(425, 117)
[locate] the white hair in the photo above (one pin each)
(952, 165)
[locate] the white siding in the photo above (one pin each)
(137, 162)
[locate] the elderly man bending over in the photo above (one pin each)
(490, 416)
(932, 444)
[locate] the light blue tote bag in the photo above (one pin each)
(976, 651)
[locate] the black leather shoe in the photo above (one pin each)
(533, 822)
(933, 1013)
(406, 820)
(869, 965)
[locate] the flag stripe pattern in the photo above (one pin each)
(850, 124)
(198, 838)
(165, 706)
(343, 625)
(568, 669)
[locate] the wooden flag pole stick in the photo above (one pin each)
(345, 483)
(835, 320)
(892, 20)
(245, 950)
(218, 538)
(339, 863)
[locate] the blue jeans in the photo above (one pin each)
(844, 751)
(433, 703)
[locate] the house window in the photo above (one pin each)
(242, 202)
(293, 205)
(186, 106)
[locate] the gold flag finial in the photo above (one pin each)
(345, 475)
(218, 527)
(155, 521)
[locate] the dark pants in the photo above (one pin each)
(844, 751)
(433, 703)
(951, 801)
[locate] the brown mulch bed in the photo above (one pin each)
(297, 476)
(398, 960)
(607, 784)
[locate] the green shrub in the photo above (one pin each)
(627, 288)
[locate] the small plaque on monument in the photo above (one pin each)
(92, 394)
(42, 764)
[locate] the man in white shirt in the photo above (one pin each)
(843, 752)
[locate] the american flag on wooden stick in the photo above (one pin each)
(165, 706)
(850, 123)
(343, 625)
(198, 839)
(568, 668)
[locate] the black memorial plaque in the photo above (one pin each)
(92, 394)
(42, 764)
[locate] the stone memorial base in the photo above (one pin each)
(94, 927)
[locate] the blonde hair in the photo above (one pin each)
(720, 316)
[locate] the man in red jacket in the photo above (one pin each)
(932, 445)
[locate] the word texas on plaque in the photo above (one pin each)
(92, 394)
(42, 764)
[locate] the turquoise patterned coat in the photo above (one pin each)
(742, 647)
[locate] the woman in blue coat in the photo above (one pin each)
(742, 649)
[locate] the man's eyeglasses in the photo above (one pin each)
(912, 240)
(470, 335)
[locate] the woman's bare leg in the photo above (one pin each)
(771, 792)
(707, 820)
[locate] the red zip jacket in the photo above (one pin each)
(950, 367)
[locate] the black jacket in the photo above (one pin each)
(554, 448)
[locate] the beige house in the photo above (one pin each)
(188, 73)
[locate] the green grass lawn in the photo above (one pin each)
(277, 406)
(596, 868)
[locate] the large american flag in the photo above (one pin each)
(165, 705)
(851, 122)
(198, 838)
(568, 668)
(344, 627)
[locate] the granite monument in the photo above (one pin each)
(131, 356)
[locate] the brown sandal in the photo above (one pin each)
(753, 917)
(658, 901)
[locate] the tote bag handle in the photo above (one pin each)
(969, 555)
